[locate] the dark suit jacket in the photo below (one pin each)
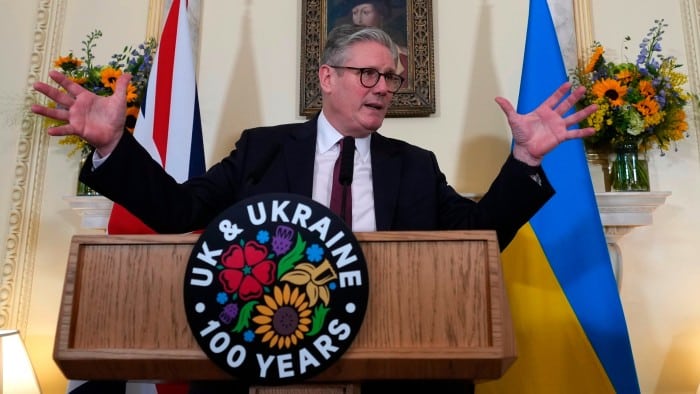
(410, 191)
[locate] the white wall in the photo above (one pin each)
(248, 76)
(661, 271)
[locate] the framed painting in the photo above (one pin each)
(410, 25)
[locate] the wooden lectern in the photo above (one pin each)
(437, 310)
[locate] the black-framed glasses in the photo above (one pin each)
(369, 77)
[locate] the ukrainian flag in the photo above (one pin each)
(570, 327)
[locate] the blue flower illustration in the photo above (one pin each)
(248, 336)
(314, 253)
(222, 298)
(263, 236)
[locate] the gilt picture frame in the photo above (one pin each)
(409, 22)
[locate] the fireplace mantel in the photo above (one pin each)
(620, 212)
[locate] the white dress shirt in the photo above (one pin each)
(327, 151)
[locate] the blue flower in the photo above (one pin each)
(222, 298)
(263, 236)
(248, 336)
(314, 253)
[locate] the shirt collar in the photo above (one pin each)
(328, 136)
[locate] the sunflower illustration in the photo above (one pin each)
(284, 319)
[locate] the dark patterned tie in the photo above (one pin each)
(341, 193)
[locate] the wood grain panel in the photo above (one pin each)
(437, 309)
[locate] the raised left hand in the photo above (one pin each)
(540, 131)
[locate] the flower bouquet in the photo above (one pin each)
(640, 105)
(101, 79)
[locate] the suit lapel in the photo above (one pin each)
(386, 164)
(299, 155)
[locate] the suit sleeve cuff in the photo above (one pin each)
(536, 173)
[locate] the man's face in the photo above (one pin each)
(349, 106)
(365, 15)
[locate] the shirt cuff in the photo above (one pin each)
(97, 160)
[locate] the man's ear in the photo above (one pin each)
(325, 74)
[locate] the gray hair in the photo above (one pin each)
(344, 36)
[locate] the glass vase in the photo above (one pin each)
(599, 167)
(629, 171)
(83, 189)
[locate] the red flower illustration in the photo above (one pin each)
(247, 270)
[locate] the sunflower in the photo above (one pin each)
(597, 53)
(611, 89)
(646, 88)
(79, 80)
(67, 63)
(132, 114)
(131, 93)
(284, 319)
(647, 107)
(624, 76)
(109, 77)
(678, 124)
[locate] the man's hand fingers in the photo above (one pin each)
(61, 130)
(71, 87)
(553, 101)
(53, 113)
(570, 101)
(580, 133)
(122, 85)
(61, 98)
(580, 115)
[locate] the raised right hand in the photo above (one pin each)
(98, 120)
(540, 131)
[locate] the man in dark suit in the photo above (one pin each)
(357, 79)
(396, 186)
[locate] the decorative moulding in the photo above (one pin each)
(29, 170)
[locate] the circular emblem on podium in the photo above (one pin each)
(276, 289)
